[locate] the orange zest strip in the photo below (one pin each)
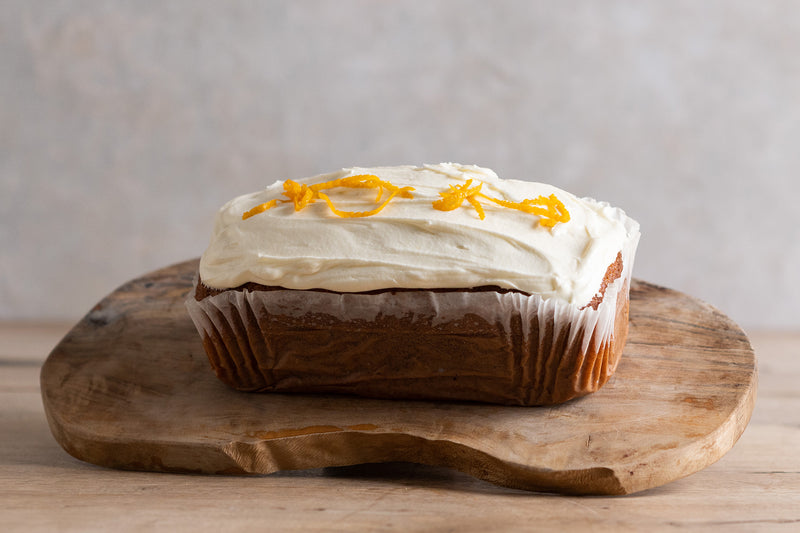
(302, 195)
(259, 209)
(477, 205)
(550, 210)
(355, 214)
(453, 198)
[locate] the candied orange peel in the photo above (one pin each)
(302, 195)
(550, 209)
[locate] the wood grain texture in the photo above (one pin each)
(130, 387)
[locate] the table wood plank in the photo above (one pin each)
(29, 342)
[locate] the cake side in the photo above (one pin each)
(476, 345)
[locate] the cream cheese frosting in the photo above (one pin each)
(409, 244)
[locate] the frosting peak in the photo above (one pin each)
(514, 234)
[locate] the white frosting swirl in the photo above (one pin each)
(412, 245)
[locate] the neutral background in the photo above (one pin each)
(124, 125)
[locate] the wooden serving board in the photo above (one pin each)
(130, 387)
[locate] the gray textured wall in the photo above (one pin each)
(124, 125)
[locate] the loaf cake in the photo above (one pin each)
(438, 282)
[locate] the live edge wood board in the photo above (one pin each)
(130, 387)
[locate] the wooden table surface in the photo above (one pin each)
(755, 487)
